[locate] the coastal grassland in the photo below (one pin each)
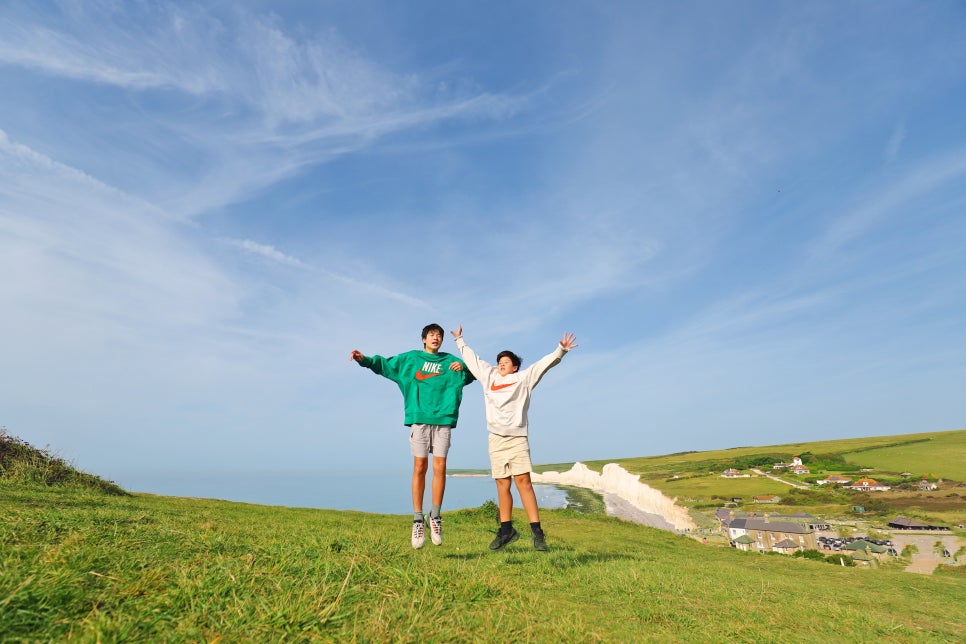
(705, 487)
(584, 501)
(928, 450)
(79, 564)
(22, 462)
(943, 455)
(694, 477)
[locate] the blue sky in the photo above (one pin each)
(752, 215)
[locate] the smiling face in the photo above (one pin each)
(505, 366)
(432, 341)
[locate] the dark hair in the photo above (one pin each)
(514, 358)
(432, 327)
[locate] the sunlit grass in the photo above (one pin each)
(944, 455)
(82, 565)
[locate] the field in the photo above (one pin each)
(83, 565)
(694, 478)
(941, 455)
(80, 559)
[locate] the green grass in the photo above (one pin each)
(942, 455)
(23, 463)
(694, 478)
(706, 487)
(78, 564)
(930, 449)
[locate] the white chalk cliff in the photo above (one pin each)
(617, 481)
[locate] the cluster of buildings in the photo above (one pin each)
(795, 467)
(788, 533)
(771, 532)
(864, 484)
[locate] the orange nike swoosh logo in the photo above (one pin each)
(423, 376)
(496, 387)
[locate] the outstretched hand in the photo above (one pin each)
(458, 333)
(568, 341)
(356, 355)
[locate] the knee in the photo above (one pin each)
(523, 482)
(420, 465)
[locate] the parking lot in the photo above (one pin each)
(924, 561)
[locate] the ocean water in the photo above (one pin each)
(377, 492)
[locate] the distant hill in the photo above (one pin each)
(941, 454)
(900, 462)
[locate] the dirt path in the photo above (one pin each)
(775, 478)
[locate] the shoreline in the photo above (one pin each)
(625, 496)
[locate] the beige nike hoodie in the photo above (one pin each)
(507, 398)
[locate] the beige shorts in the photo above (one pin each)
(509, 456)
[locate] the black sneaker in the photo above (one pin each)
(503, 539)
(538, 542)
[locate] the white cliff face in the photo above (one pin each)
(616, 480)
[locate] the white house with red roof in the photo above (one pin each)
(868, 485)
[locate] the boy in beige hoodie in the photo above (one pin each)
(506, 392)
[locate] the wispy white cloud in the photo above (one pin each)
(894, 201)
(258, 104)
(267, 251)
(93, 248)
(235, 200)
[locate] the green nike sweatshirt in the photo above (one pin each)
(431, 391)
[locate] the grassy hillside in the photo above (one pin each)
(694, 478)
(23, 463)
(940, 453)
(80, 564)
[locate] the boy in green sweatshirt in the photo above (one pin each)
(432, 384)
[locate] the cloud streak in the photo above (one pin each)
(207, 207)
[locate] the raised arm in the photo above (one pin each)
(477, 367)
(536, 371)
(457, 366)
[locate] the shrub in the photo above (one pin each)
(840, 560)
(910, 550)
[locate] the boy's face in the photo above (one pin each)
(506, 366)
(433, 341)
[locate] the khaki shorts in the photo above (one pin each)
(509, 456)
(424, 439)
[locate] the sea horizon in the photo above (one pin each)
(373, 492)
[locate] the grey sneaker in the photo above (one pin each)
(504, 539)
(436, 530)
(539, 543)
(419, 538)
